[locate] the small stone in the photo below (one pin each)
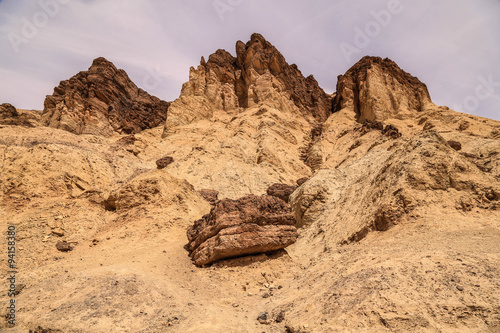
(59, 217)
(491, 195)
(164, 161)
(455, 145)
(63, 246)
(262, 317)
(58, 232)
(302, 181)
(235, 305)
(19, 288)
(460, 288)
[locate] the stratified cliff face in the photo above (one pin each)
(101, 101)
(259, 74)
(378, 89)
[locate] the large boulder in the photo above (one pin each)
(101, 101)
(249, 225)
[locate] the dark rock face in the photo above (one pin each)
(391, 131)
(10, 116)
(369, 125)
(378, 89)
(249, 225)
(302, 180)
(281, 191)
(101, 101)
(209, 195)
(8, 111)
(164, 162)
(455, 145)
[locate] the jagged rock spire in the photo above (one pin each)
(102, 100)
(378, 89)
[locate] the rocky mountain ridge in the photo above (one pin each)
(253, 202)
(258, 74)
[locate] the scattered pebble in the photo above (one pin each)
(58, 232)
(262, 317)
(63, 246)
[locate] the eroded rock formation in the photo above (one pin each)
(258, 74)
(249, 225)
(378, 89)
(101, 101)
(9, 115)
(281, 191)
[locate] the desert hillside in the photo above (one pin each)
(255, 202)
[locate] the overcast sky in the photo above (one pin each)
(451, 45)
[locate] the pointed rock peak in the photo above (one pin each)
(221, 58)
(102, 62)
(378, 89)
(102, 100)
(259, 74)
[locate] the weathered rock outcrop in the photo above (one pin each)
(209, 195)
(249, 225)
(281, 191)
(156, 188)
(380, 189)
(101, 101)
(9, 115)
(258, 74)
(378, 89)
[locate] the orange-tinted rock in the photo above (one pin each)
(249, 225)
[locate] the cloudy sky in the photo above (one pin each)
(451, 45)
